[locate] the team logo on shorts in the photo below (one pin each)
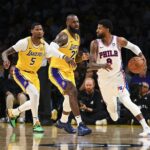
(63, 83)
(25, 83)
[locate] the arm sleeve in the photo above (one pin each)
(134, 48)
(21, 45)
(52, 50)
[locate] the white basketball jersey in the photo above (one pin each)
(109, 54)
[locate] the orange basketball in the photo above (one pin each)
(136, 64)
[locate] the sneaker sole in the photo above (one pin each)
(38, 131)
(69, 132)
(60, 127)
(89, 132)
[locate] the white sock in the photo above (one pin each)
(144, 124)
(16, 112)
(64, 118)
(34, 100)
(78, 119)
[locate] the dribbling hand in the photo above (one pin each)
(6, 64)
(107, 66)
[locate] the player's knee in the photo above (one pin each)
(71, 89)
(36, 95)
(134, 109)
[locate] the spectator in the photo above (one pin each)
(93, 110)
(143, 100)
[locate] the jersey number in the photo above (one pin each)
(73, 54)
(32, 61)
(109, 60)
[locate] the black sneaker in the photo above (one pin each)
(83, 130)
(66, 126)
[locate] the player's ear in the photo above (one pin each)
(67, 24)
(31, 31)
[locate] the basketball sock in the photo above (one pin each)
(64, 118)
(144, 124)
(15, 112)
(35, 119)
(34, 100)
(66, 108)
(78, 119)
(22, 108)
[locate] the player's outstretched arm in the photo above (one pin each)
(134, 48)
(93, 57)
(6, 62)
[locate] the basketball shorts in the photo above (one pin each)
(60, 78)
(23, 78)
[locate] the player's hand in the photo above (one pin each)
(85, 56)
(107, 66)
(70, 61)
(143, 73)
(6, 64)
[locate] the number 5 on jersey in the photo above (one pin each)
(32, 61)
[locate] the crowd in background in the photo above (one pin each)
(131, 19)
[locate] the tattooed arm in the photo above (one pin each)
(60, 40)
(93, 58)
(5, 54)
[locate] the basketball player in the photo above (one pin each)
(62, 75)
(31, 51)
(107, 49)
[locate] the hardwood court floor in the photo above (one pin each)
(112, 137)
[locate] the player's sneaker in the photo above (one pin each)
(83, 130)
(66, 126)
(12, 118)
(38, 128)
(145, 133)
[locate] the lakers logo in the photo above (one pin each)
(25, 83)
(63, 83)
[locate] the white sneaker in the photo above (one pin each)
(104, 121)
(101, 122)
(145, 133)
(98, 122)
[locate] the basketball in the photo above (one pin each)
(136, 64)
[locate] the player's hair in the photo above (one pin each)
(70, 15)
(106, 23)
(89, 78)
(35, 24)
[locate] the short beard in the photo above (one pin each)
(101, 36)
(77, 31)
